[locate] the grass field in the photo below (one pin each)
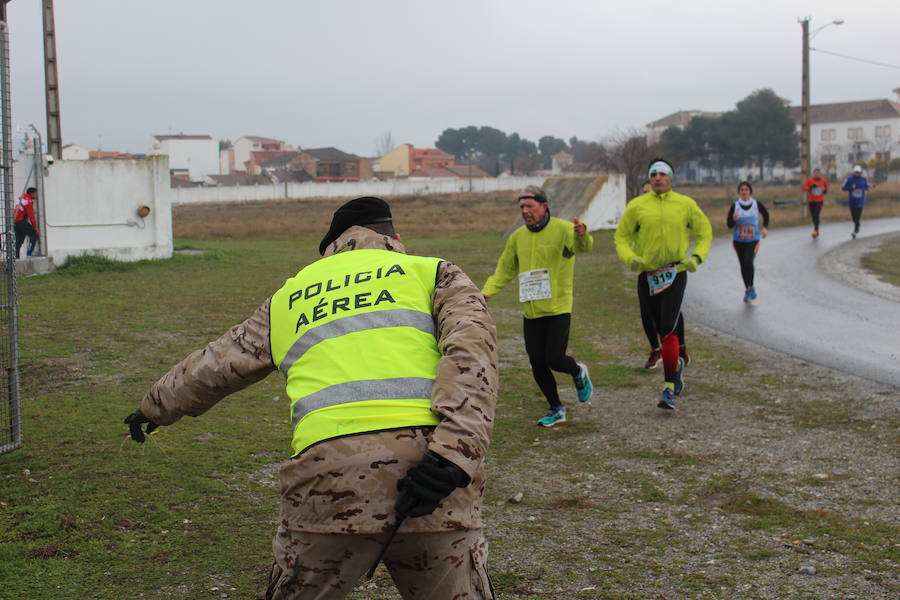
(618, 503)
(884, 262)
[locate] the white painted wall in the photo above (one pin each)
(608, 205)
(199, 156)
(91, 208)
(392, 187)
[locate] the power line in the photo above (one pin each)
(871, 62)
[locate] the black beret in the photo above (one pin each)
(360, 211)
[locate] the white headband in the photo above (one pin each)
(661, 167)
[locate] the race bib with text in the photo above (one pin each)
(534, 285)
(661, 279)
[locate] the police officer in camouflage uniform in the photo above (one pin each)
(391, 368)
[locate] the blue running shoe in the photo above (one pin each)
(556, 415)
(752, 293)
(679, 376)
(583, 384)
(747, 295)
(667, 400)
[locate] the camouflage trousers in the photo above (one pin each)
(434, 566)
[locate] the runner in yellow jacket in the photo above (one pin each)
(654, 238)
(541, 254)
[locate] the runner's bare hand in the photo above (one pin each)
(580, 227)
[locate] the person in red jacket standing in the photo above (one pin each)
(815, 187)
(25, 221)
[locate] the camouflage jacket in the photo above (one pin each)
(349, 485)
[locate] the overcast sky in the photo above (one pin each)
(342, 72)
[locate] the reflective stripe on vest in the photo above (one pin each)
(383, 318)
(354, 335)
(358, 391)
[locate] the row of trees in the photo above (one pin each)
(760, 130)
(494, 151)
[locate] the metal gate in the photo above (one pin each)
(10, 406)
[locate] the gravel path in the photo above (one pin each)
(774, 479)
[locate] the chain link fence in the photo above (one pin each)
(10, 406)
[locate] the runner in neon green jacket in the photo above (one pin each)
(554, 247)
(654, 239)
(656, 229)
(541, 254)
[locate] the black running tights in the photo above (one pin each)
(815, 209)
(546, 339)
(746, 252)
(664, 308)
(855, 214)
(647, 320)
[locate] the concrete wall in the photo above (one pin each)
(598, 200)
(91, 208)
(393, 187)
(607, 205)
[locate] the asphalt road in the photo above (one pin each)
(802, 310)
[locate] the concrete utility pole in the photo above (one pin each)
(804, 103)
(804, 110)
(51, 81)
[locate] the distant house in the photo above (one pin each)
(331, 164)
(680, 119)
(842, 134)
(235, 159)
(561, 162)
(406, 158)
(75, 152)
(197, 154)
(285, 166)
(254, 166)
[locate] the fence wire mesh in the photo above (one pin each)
(10, 407)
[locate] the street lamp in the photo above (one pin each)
(804, 110)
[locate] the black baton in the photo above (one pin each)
(387, 542)
(404, 506)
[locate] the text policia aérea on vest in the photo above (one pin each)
(322, 317)
(325, 306)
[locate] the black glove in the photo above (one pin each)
(426, 484)
(134, 422)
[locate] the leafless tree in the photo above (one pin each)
(384, 143)
(827, 158)
(626, 152)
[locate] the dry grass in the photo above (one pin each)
(446, 214)
(286, 219)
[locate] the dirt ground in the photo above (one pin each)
(812, 440)
(774, 479)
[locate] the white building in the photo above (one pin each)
(680, 119)
(234, 159)
(847, 133)
(75, 152)
(842, 134)
(197, 154)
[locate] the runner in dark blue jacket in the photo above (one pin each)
(856, 185)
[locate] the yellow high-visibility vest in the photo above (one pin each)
(354, 336)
